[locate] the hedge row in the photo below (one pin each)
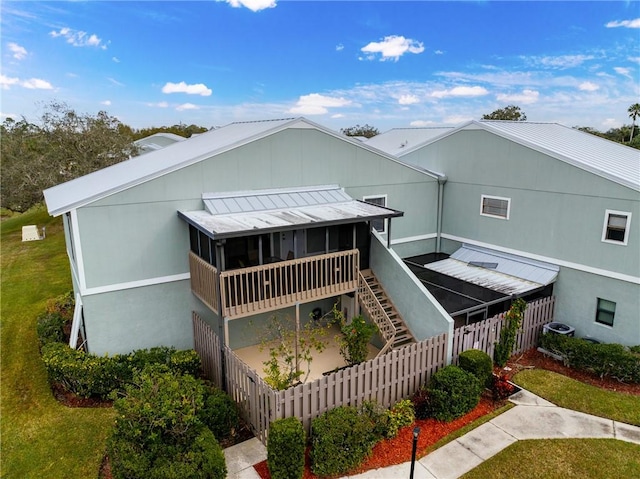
(611, 360)
(88, 375)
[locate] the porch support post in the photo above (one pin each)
(388, 233)
(226, 331)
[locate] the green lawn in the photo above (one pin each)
(40, 438)
(571, 394)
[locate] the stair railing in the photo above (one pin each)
(377, 313)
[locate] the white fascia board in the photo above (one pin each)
(110, 288)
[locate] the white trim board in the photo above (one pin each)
(547, 259)
(411, 239)
(135, 284)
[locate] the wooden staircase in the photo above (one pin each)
(402, 336)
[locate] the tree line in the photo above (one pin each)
(65, 145)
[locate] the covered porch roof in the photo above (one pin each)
(247, 213)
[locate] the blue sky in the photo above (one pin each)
(388, 64)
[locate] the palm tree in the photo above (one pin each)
(634, 112)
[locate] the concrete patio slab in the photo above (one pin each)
(399, 470)
(552, 423)
(243, 456)
(627, 432)
(525, 398)
(450, 461)
(486, 440)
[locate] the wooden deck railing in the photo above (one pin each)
(273, 286)
(376, 313)
(204, 280)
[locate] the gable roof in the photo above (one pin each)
(137, 170)
(602, 157)
(396, 140)
(157, 141)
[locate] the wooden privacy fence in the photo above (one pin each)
(485, 334)
(385, 379)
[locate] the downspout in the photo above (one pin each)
(441, 182)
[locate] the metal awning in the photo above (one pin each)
(502, 272)
(249, 213)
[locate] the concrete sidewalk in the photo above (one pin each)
(532, 418)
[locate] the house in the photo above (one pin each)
(288, 217)
(238, 224)
(547, 195)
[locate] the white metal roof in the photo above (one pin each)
(602, 157)
(495, 270)
(137, 170)
(396, 140)
(157, 141)
(254, 212)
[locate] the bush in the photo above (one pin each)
(512, 321)
(342, 439)
(50, 328)
(612, 360)
(64, 305)
(88, 375)
(219, 413)
(635, 349)
(285, 449)
(422, 403)
(453, 392)
(400, 415)
(477, 363)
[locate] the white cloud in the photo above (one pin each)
(36, 84)
(563, 61)
(161, 104)
(337, 115)
(457, 119)
(339, 47)
(527, 97)
(106, 103)
(461, 91)
(634, 59)
(19, 53)
(609, 123)
(635, 23)
(623, 71)
(392, 48)
(78, 38)
(421, 123)
(408, 99)
(6, 82)
(253, 5)
(438, 52)
(588, 86)
(195, 89)
(316, 104)
(115, 59)
(187, 106)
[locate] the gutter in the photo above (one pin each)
(441, 182)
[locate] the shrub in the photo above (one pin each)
(477, 363)
(612, 360)
(400, 415)
(453, 392)
(219, 413)
(50, 328)
(89, 375)
(513, 320)
(635, 349)
(501, 387)
(342, 439)
(285, 449)
(63, 305)
(422, 403)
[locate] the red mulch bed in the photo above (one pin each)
(398, 449)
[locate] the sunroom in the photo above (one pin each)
(253, 252)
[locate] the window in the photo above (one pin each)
(495, 206)
(616, 227)
(605, 312)
(381, 200)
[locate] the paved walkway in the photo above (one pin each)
(531, 418)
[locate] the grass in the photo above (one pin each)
(562, 459)
(40, 437)
(571, 394)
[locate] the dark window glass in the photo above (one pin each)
(316, 240)
(495, 207)
(205, 252)
(605, 312)
(616, 227)
(193, 240)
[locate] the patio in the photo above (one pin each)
(326, 361)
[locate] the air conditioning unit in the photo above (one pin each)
(559, 328)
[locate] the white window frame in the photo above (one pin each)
(384, 221)
(627, 228)
(482, 213)
(600, 309)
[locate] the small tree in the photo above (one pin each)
(511, 113)
(355, 338)
(513, 320)
(289, 349)
(367, 131)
